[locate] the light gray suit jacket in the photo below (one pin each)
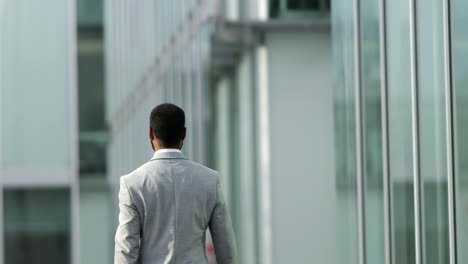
(166, 206)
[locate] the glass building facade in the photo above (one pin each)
(399, 119)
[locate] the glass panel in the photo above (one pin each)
(303, 4)
(400, 152)
(173, 83)
(91, 102)
(183, 83)
(37, 226)
(372, 131)
(195, 65)
(204, 93)
(460, 86)
(184, 90)
(89, 12)
(274, 8)
(176, 86)
(91, 83)
(343, 52)
(299, 9)
(188, 102)
(433, 160)
(35, 113)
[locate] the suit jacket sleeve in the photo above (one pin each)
(221, 231)
(127, 237)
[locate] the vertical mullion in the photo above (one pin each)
(73, 97)
(201, 93)
(360, 179)
(387, 190)
(417, 182)
(189, 88)
(199, 105)
(263, 135)
(449, 132)
(2, 226)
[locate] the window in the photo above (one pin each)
(93, 135)
(37, 226)
(296, 9)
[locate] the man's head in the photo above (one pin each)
(167, 126)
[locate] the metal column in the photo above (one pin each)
(417, 181)
(451, 177)
(387, 184)
(360, 178)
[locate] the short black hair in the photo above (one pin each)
(167, 121)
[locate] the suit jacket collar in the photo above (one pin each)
(168, 155)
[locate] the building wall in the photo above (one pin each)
(38, 132)
(302, 143)
(96, 223)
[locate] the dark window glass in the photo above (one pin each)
(91, 101)
(37, 226)
(274, 8)
(299, 9)
(303, 4)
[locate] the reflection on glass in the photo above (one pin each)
(460, 85)
(37, 226)
(372, 131)
(433, 162)
(400, 140)
(345, 150)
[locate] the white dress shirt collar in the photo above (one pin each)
(167, 150)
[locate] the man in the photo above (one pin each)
(167, 204)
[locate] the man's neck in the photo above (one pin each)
(158, 146)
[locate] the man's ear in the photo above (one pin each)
(151, 134)
(184, 133)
